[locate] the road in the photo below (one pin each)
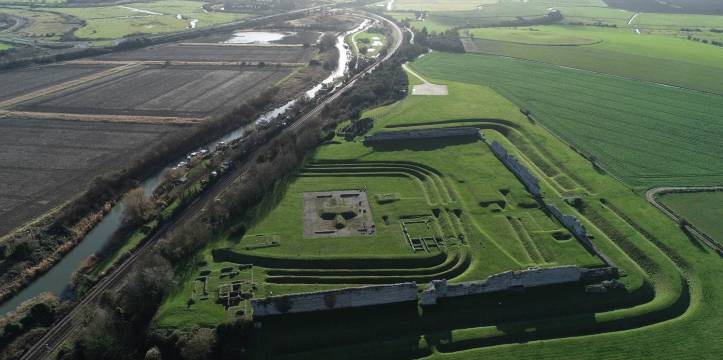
(63, 329)
(652, 195)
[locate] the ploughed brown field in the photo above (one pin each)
(64, 124)
(18, 82)
(155, 90)
(45, 162)
(213, 53)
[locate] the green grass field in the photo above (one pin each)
(542, 35)
(456, 186)
(42, 24)
(657, 258)
(440, 5)
(621, 52)
(4, 47)
(647, 135)
(150, 18)
(639, 236)
(702, 209)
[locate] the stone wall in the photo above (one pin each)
(422, 134)
(517, 168)
(335, 299)
(578, 230)
(515, 280)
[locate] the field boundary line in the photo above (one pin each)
(68, 84)
(139, 119)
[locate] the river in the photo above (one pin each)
(57, 279)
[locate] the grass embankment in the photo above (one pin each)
(702, 209)
(650, 57)
(115, 22)
(442, 184)
(656, 290)
(641, 247)
(462, 187)
(645, 134)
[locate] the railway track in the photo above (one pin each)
(69, 325)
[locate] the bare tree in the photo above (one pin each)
(137, 208)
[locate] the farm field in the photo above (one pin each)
(45, 162)
(543, 35)
(645, 244)
(649, 57)
(214, 53)
(670, 6)
(440, 5)
(70, 97)
(17, 82)
(185, 91)
(647, 135)
(702, 209)
(113, 22)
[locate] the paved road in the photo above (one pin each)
(73, 322)
(652, 197)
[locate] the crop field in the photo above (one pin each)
(647, 135)
(214, 53)
(186, 91)
(112, 22)
(44, 162)
(670, 282)
(440, 5)
(649, 57)
(702, 209)
(669, 6)
(17, 82)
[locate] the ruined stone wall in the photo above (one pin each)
(335, 299)
(572, 224)
(578, 230)
(511, 280)
(421, 134)
(521, 171)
